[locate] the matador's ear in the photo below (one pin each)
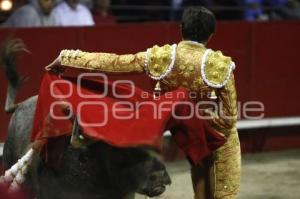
(216, 68)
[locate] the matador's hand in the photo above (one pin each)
(55, 66)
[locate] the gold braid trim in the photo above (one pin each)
(159, 60)
(217, 69)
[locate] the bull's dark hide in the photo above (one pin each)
(99, 171)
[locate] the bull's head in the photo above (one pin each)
(157, 180)
(142, 167)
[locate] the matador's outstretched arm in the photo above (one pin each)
(105, 62)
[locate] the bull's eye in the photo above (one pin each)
(152, 177)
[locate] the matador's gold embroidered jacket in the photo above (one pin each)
(198, 69)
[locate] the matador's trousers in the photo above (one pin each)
(219, 176)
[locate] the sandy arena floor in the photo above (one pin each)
(273, 175)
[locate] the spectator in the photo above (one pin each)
(72, 13)
(292, 10)
(175, 14)
(277, 5)
(254, 10)
(35, 14)
(101, 12)
(176, 4)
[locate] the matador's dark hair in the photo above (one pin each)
(198, 23)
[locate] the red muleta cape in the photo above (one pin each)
(124, 116)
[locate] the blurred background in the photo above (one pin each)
(262, 37)
(121, 11)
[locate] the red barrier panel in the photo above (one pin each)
(265, 55)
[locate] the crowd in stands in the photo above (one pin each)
(278, 9)
(250, 10)
(95, 12)
(41, 13)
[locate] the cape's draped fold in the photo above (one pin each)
(125, 116)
